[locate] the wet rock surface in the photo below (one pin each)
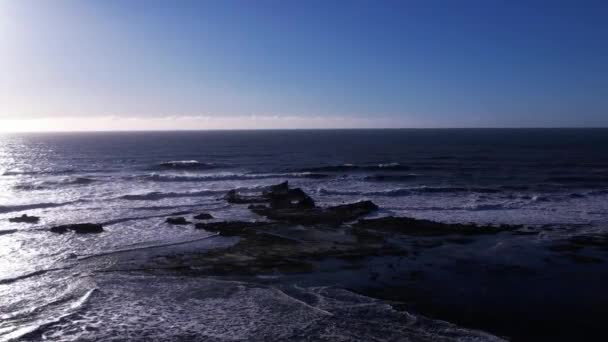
(80, 228)
(203, 216)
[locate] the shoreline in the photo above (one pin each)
(504, 280)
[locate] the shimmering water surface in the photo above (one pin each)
(131, 181)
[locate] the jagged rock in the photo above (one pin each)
(80, 228)
(203, 216)
(331, 215)
(412, 226)
(24, 219)
(177, 221)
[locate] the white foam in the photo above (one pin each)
(182, 308)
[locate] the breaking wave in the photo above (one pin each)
(220, 310)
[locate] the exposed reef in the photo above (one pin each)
(178, 221)
(24, 219)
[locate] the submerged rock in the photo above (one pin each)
(232, 228)
(24, 219)
(412, 226)
(80, 228)
(203, 216)
(177, 221)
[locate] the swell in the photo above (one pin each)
(226, 177)
(355, 167)
(38, 172)
(577, 179)
(410, 191)
(390, 178)
(23, 207)
(52, 184)
(155, 195)
(186, 165)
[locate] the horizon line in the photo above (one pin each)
(306, 129)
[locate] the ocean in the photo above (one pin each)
(53, 286)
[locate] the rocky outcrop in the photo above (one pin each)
(278, 196)
(24, 219)
(281, 203)
(179, 221)
(80, 228)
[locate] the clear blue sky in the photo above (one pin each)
(405, 63)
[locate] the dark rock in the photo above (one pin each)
(177, 221)
(308, 216)
(281, 188)
(80, 228)
(203, 216)
(290, 198)
(24, 219)
(412, 226)
(278, 196)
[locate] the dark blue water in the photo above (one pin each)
(528, 176)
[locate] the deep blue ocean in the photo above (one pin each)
(535, 177)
